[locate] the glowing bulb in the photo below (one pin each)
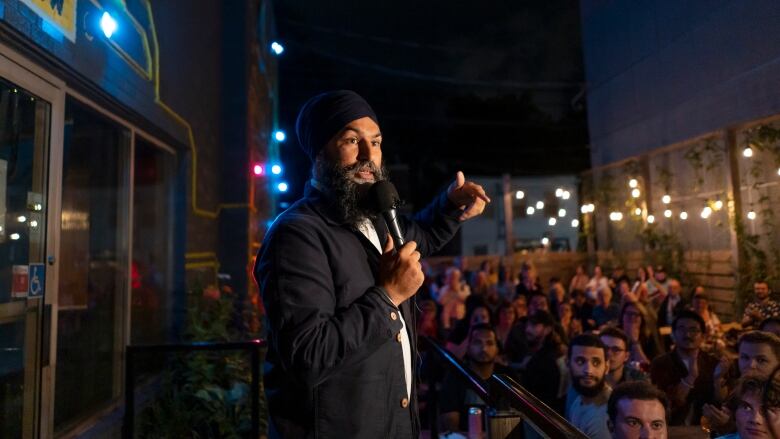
(277, 48)
(552, 221)
(530, 210)
(668, 213)
(280, 136)
(778, 171)
(282, 187)
(540, 204)
(33, 224)
(651, 219)
(566, 195)
(633, 183)
(637, 211)
(519, 195)
(258, 169)
(635, 193)
(15, 236)
(38, 207)
(615, 216)
(108, 24)
(545, 240)
(591, 207)
(747, 152)
(718, 205)
(561, 212)
(21, 218)
(558, 193)
(575, 223)
(276, 169)
(706, 212)
(683, 215)
(584, 208)
(666, 199)
(751, 215)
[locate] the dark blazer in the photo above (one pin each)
(335, 365)
(666, 372)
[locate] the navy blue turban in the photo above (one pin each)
(324, 115)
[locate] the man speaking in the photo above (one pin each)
(341, 332)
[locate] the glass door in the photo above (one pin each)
(28, 105)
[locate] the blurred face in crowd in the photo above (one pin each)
(579, 299)
(564, 311)
(699, 303)
(535, 333)
(773, 327)
(660, 276)
(759, 358)
(761, 290)
(597, 272)
(538, 303)
(641, 274)
(605, 297)
(617, 352)
(483, 347)
(507, 316)
(558, 291)
(674, 287)
(637, 418)
(687, 334)
(588, 368)
(751, 422)
(631, 317)
(521, 309)
(580, 270)
(624, 288)
(480, 315)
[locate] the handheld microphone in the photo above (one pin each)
(385, 200)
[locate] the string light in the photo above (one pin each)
(558, 193)
(751, 215)
(519, 195)
(545, 240)
(540, 204)
(633, 183)
(747, 152)
(561, 213)
(615, 216)
(584, 208)
(530, 210)
(566, 195)
(552, 221)
(683, 215)
(717, 205)
(668, 213)
(666, 199)
(637, 211)
(575, 223)
(706, 212)
(635, 193)
(650, 219)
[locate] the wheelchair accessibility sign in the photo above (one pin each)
(37, 280)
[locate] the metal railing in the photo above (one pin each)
(252, 346)
(541, 417)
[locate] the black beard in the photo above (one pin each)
(345, 196)
(588, 392)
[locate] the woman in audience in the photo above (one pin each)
(572, 326)
(452, 298)
(642, 334)
(579, 281)
(700, 306)
(477, 312)
(505, 319)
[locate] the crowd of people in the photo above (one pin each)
(615, 355)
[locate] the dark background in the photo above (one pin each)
(485, 87)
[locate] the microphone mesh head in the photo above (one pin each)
(383, 196)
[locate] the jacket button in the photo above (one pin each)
(393, 315)
(398, 337)
(404, 403)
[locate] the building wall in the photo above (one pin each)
(660, 72)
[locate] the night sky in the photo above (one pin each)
(485, 87)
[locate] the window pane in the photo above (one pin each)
(152, 246)
(93, 271)
(24, 139)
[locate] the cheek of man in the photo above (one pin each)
(360, 139)
(640, 419)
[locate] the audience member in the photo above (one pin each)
(455, 396)
(505, 320)
(670, 307)
(528, 283)
(536, 360)
(644, 344)
(762, 307)
(637, 410)
(597, 283)
(452, 298)
(657, 285)
(580, 280)
(477, 313)
(686, 373)
(588, 366)
(750, 413)
(606, 311)
(557, 295)
(620, 371)
(583, 310)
